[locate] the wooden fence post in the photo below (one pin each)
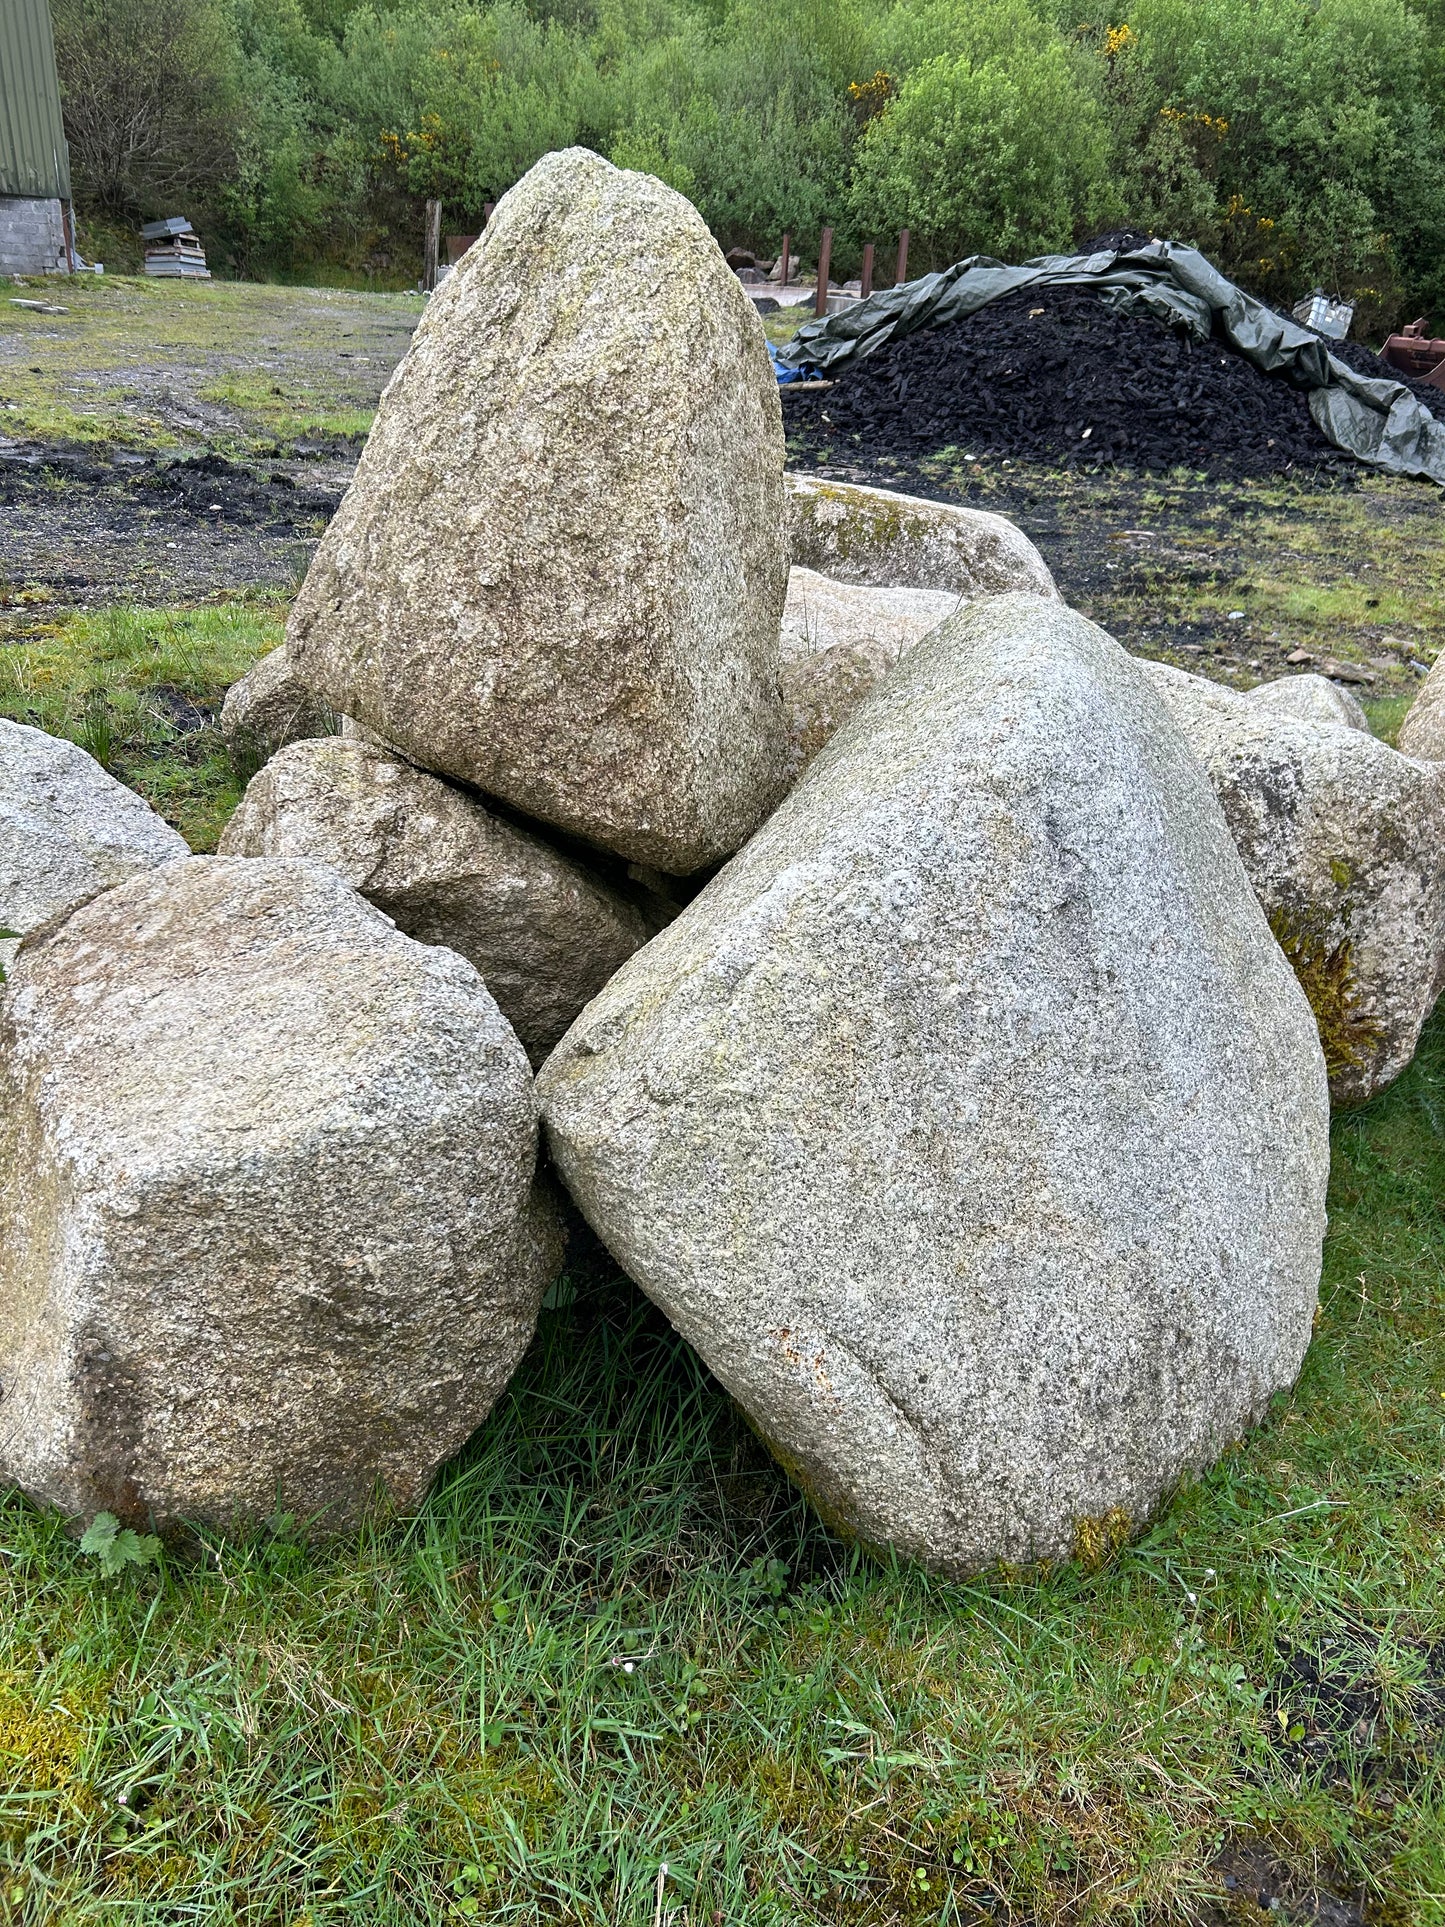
(432, 246)
(903, 256)
(787, 246)
(825, 258)
(865, 279)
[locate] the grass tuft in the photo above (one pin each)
(141, 690)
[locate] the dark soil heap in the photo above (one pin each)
(195, 488)
(1054, 375)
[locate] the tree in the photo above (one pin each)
(998, 155)
(1310, 120)
(151, 100)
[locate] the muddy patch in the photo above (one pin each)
(79, 529)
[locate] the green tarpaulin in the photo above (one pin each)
(1372, 417)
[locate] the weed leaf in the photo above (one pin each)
(116, 1546)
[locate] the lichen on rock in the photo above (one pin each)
(1344, 841)
(970, 1122)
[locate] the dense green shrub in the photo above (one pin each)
(1296, 140)
(1298, 137)
(997, 144)
(458, 101)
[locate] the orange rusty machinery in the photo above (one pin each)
(1412, 354)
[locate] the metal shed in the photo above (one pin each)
(35, 230)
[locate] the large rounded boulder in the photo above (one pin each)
(970, 1123)
(559, 572)
(269, 1237)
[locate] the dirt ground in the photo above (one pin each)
(167, 444)
(1241, 581)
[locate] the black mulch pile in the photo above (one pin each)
(1055, 376)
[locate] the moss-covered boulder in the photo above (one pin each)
(872, 535)
(1344, 842)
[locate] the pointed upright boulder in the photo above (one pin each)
(559, 573)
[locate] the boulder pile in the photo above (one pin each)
(891, 949)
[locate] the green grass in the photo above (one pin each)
(164, 365)
(287, 415)
(782, 326)
(439, 1723)
(1386, 713)
(141, 689)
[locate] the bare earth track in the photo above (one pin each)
(164, 442)
(168, 444)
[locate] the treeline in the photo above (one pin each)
(1296, 141)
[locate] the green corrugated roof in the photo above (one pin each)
(33, 156)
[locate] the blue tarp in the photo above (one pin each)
(783, 372)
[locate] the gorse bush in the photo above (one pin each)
(1299, 141)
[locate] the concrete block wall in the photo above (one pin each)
(32, 236)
